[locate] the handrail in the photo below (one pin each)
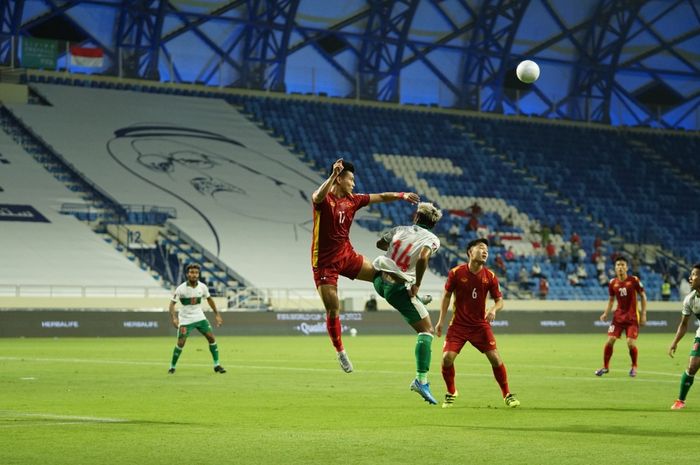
(64, 290)
(171, 212)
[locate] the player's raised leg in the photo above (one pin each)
(329, 296)
(367, 271)
(423, 353)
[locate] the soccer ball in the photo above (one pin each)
(353, 332)
(527, 71)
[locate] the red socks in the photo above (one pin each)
(334, 331)
(448, 374)
(499, 373)
(633, 355)
(607, 353)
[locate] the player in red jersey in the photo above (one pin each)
(471, 322)
(625, 288)
(331, 252)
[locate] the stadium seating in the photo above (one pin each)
(455, 161)
(532, 172)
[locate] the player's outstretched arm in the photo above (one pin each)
(320, 194)
(444, 305)
(680, 332)
(392, 196)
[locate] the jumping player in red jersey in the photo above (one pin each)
(331, 252)
(625, 288)
(471, 322)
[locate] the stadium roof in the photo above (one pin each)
(612, 61)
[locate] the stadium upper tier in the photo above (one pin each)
(43, 247)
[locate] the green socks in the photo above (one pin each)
(686, 382)
(214, 349)
(423, 354)
(176, 354)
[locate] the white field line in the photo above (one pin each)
(460, 369)
(69, 419)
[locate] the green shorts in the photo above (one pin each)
(202, 326)
(695, 351)
(398, 297)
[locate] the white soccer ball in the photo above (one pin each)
(527, 71)
(353, 332)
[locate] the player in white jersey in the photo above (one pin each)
(191, 316)
(691, 306)
(399, 275)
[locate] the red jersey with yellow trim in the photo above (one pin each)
(333, 217)
(626, 294)
(470, 291)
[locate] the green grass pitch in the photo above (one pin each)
(285, 400)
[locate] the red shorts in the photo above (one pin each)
(481, 337)
(348, 266)
(631, 330)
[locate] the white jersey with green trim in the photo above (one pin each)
(405, 245)
(691, 306)
(191, 300)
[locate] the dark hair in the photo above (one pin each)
(425, 220)
(347, 166)
(697, 265)
(477, 241)
(621, 258)
(192, 265)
